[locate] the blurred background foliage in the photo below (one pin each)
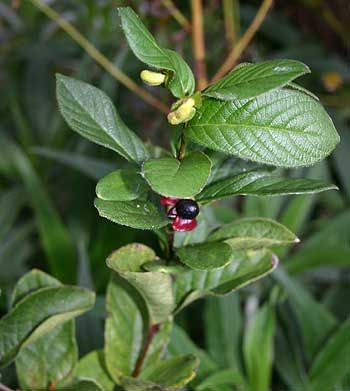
(48, 175)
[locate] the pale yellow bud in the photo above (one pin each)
(183, 113)
(152, 78)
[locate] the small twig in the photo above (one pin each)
(152, 331)
(229, 11)
(177, 14)
(244, 41)
(4, 388)
(198, 43)
(99, 57)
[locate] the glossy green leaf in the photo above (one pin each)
(258, 349)
(246, 267)
(282, 128)
(330, 365)
(146, 49)
(92, 366)
(121, 185)
(261, 183)
(154, 287)
(205, 256)
(174, 372)
(91, 113)
(37, 314)
(37, 364)
(314, 319)
(175, 178)
(134, 214)
(251, 80)
(254, 233)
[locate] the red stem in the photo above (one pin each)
(152, 331)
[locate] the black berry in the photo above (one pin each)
(187, 209)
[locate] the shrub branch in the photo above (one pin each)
(242, 44)
(177, 15)
(198, 44)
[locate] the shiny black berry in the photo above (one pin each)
(187, 209)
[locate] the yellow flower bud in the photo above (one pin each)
(152, 78)
(183, 113)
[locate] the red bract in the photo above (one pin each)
(183, 225)
(168, 201)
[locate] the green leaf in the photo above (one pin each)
(246, 267)
(258, 349)
(134, 214)
(297, 87)
(147, 50)
(174, 372)
(251, 80)
(37, 314)
(90, 112)
(261, 183)
(121, 185)
(135, 384)
(282, 128)
(154, 287)
(31, 282)
(329, 367)
(123, 331)
(205, 256)
(159, 344)
(314, 319)
(254, 233)
(92, 366)
(180, 343)
(174, 178)
(38, 365)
